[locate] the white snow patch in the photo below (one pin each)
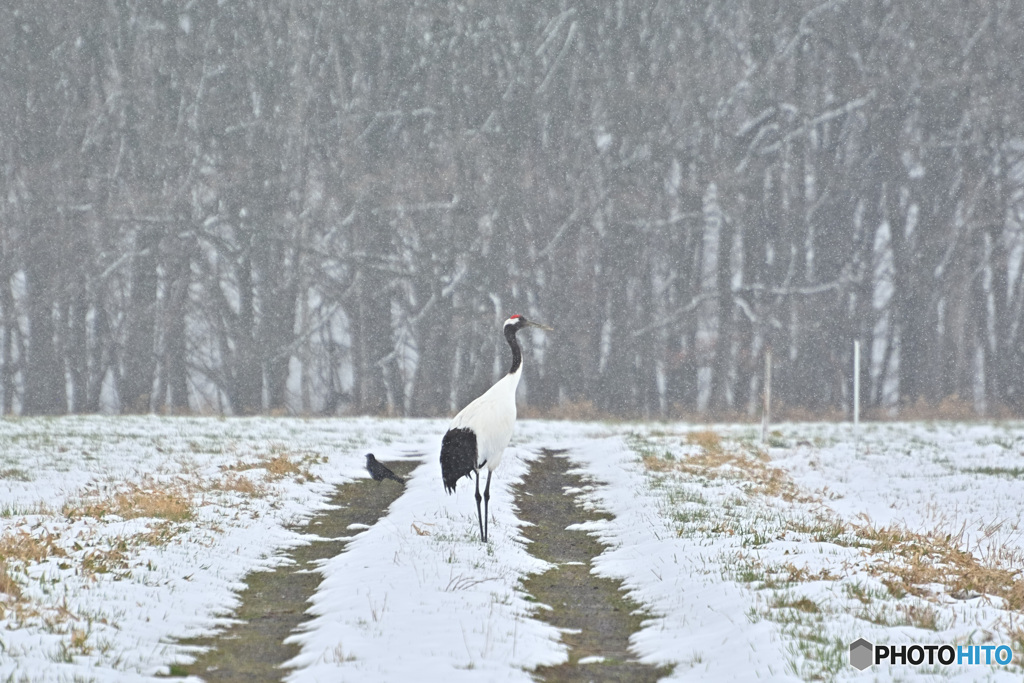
(418, 597)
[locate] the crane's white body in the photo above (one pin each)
(491, 417)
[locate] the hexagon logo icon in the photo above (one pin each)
(861, 654)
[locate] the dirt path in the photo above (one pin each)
(595, 612)
(274, 603)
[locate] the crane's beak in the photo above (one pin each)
(530, 323)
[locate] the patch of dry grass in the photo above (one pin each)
(795, 574)
(1016, 632)
(15, 473)
(906, 562)
(737, 460)
(157, 535)
(789, 601)
(918, 616)
(706, 439)
(18, 550)
(766, 576)
(175, 501)
(105, 560)
(147, 498)
(80, 641)
(912, 572)
(884, 539)
(167, 501)
(240, 484)
(909, 562)
(20, 546)
(280, 463)
(8, 586)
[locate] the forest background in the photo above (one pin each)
(312, 207)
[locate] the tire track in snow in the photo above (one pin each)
(274, 603)
(596, 616)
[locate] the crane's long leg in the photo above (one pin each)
(483, 534)
(487, 501)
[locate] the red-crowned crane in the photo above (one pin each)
(478, 435)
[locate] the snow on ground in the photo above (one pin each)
(753, 574)
(103, 591)
(418, 597)
(753, 563)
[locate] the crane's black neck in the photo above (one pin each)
(517, 353)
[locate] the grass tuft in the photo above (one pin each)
(241, 484)
(279, 464)
(790, 601)
(19, 546)
(917, 616)
(911, 561)
(717, 459)
(8, 586)
(147, 498)
(706, 439)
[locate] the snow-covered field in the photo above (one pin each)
(121, 535)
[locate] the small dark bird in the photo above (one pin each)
(379, 472)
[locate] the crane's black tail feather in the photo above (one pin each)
(458, 456)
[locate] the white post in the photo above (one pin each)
(767, 407)
(856, 393)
